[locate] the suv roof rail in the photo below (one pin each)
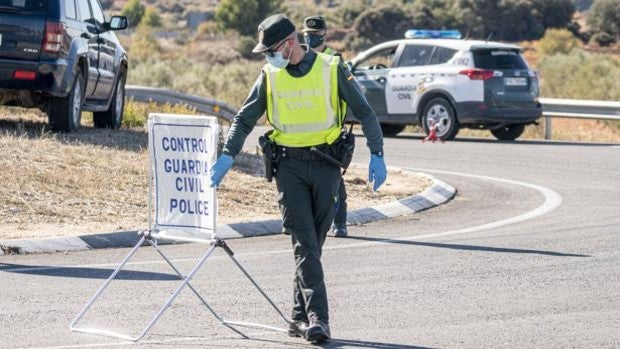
(432, 34)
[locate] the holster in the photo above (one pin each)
(344, 148)
(270, 155)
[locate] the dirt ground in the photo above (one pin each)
(94, 181)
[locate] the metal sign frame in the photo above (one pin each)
(151, 239)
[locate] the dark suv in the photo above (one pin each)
(61, 56)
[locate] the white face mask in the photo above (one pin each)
(277, 60)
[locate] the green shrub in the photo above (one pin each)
(580, 75)
(151, 17)
(144, 46)
(136, 114)
(604, 16)
(603, 39)
(350, 10)
(244, 15)
(245, 46)
(558, 41)
(151, 72)
(354, 42)
(227, 83)
(133, 10)
(207, 29)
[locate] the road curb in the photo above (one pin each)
(439, 193)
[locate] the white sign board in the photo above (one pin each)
(181, 151)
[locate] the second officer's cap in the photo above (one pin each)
(314, 24)
(273, 30)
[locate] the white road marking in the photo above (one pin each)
(551, 201)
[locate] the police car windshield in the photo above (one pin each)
(498, 59)
(381, 59)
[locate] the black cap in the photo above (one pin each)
(273, 30)
(314, 23)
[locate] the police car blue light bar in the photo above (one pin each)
(432, 34)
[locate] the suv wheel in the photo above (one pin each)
(113, 117)
(390, 130)
(439, 112)
(65, 113)
(508, 132)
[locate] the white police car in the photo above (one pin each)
(432, 78)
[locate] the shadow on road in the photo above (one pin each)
(85, 273)
(339, 343)
(468, 247)
(518, 141)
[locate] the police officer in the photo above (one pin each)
(300, 91)
(315, 29)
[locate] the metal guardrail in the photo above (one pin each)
(578, 109)
(159, 95)
(552, 107)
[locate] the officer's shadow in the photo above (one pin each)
(348, 343)
(339, 343)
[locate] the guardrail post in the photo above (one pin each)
(548, 134)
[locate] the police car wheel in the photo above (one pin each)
(508, 132)
(438, 112)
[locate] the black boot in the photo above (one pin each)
(340, 230)
(318, 331)
(297, 328)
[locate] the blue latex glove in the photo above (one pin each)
(219, 168)
(377, 173)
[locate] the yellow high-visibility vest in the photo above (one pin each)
(305, 111)
(330, 52)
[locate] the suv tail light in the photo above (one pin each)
(24, 75)
(54, 37)
(477, 74)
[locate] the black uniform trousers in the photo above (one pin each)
(308, 197)
(341, 212)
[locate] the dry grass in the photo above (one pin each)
(562, 130)
(95, 180)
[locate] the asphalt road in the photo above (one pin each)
(526, 255)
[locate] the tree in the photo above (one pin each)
(383, 23)
(513, 20)
(434, 14)
(604, 17)
(480, 18)
(133, 10)
(244, 15)
(554, 13)
(519, 21)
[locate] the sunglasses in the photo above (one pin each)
(272, 52)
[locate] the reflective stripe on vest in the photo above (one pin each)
(304, 111)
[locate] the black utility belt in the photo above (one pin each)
(317, 152)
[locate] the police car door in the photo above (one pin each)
(403, 80)
(371, 74)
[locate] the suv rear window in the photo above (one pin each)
(23, 6)
(498, 59)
